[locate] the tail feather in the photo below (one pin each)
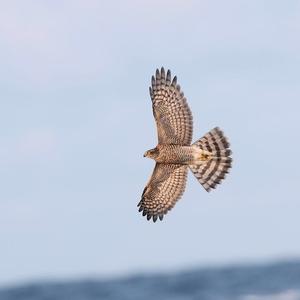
(212, 171)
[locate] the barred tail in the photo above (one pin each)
(211, 172)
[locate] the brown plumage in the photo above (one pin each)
(208, 158)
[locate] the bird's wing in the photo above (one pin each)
(170, 109)
(164, 188)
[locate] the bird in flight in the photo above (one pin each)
(208, 158)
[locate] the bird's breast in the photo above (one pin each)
(175, 154)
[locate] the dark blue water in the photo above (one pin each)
(277, 281)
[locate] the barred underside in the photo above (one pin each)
(163, 190)
(170, 109)
(211, 172)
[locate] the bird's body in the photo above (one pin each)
(208, 158)
(173, 154)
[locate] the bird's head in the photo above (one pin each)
(152, 153)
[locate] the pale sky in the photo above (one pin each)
(76, 118)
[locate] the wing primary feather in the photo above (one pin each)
(157, 74)
(162, 76)
(158, 81)
(150, 91)
(168, 80)
(153, 83)
(174, 81)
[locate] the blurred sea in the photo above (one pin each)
(274, 281)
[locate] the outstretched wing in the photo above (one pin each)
(172, 114)
(164, 188)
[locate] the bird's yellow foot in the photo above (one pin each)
(204, 156)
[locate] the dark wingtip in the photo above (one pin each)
(228, 152)
(168, 78)
(163, 75)
(157, 73)
(151, 92)
(174, 81)
(153, 81)
(149, 216)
